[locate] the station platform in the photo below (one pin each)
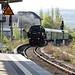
(16, 64)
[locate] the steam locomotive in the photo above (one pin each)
(39, 35)
(36, 35)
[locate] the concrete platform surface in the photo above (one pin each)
(16, 64)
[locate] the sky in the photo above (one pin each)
(33, 5)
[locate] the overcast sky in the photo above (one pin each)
(33, 5)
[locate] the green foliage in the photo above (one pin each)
(9, 46)
(5, 40)
(16, 33)
(52, 20)
(52, 13)
(57, 14)
(72, 60)
(73, 35)
(41, 13)
(58, 18)
(47, 21)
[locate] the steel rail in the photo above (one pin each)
(24, 51)
(50, 62)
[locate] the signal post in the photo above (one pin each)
(8, 11)
(62, 28)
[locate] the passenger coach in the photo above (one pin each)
(52, 34)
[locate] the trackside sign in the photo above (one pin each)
(8, 11)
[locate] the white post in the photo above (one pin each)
(54, 41)
(63, 42)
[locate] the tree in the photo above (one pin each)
(41, 13)
(48, 12)
(47, 21)
(52, 13)
(58, 18)
(16, 33)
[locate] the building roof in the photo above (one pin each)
(37, 16)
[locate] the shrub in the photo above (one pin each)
(5, 40)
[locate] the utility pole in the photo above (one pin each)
(3, 6)
(10, 22)
(2, 26)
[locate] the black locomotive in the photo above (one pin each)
(36, 35)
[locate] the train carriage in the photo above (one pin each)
(56, 34)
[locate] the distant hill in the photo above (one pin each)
(68, 17)
(67, 14)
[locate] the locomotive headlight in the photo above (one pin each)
(42, 33)
(38, 38)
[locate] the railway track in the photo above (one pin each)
(37, 56)
(55, 63)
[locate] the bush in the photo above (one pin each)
(5, 40)
(72, 35)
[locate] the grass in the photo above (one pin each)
(10, 45)
(57, 53)
(70, 48)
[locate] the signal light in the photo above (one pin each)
(62, 25)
